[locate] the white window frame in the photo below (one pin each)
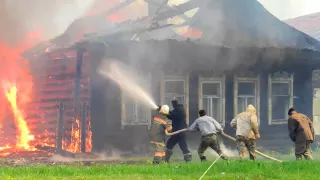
(185, 80)
(279, 77)
(218, 80)
(256, 82)
(123, 110)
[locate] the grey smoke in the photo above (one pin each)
(18, 17)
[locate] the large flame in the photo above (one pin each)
(15, 93)
(23, 133)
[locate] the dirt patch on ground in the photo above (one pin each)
(77, 159)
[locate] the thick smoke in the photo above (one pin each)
(51, 18)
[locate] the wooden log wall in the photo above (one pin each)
(53, 79)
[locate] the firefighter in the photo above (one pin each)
(178, 118)
(159, 129)
(247, 131)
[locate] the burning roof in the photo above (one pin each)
(223, 22)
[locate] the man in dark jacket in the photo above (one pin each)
(178, 118)
(301, 132)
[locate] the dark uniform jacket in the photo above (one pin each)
(158, 127)
(178, 117)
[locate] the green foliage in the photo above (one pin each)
(242, 170)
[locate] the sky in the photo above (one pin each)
(287, 9)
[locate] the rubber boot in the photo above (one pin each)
(203, 158)
(187, 157)
(223, 157)
(298, 157)
(168, 155)
(157, 160)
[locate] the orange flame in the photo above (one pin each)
(16, 83)
(74, 146)
(75, 143)
(89, 136)
(23, 134)
(47, 141)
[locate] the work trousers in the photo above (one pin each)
(209, 141)
(303, 150)
(181, 140)
(244, 144)
(159, 152)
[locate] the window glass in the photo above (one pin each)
(211, 89)
(174, 87)
(246, 88)
(280, 88)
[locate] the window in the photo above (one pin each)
(175, 88)
(133, 112)
(246, 91)
(211, 97)
(280, 88)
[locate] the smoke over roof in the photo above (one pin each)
(229, 23)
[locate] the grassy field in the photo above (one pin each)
(221, 170)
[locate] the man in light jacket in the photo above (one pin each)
(247, 131)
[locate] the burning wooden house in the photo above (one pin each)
(240, 55)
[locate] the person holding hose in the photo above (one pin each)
(209, 129)
(159, 129)
(247, 131)
(178, 118)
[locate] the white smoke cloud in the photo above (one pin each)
(51, 17)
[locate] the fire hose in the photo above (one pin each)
(231, 138)
(260, 153)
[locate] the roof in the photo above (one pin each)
(223, 22)
(309, 24)
(242, 23)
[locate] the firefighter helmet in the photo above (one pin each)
(164, 109)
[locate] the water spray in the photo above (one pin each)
(123, 76)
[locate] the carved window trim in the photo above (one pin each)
(249, 78)
(279, 77)
(123, 110)
(185, 80)
(221, 80)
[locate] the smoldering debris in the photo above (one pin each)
(96, 157)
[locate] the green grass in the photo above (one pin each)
(259, 170)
